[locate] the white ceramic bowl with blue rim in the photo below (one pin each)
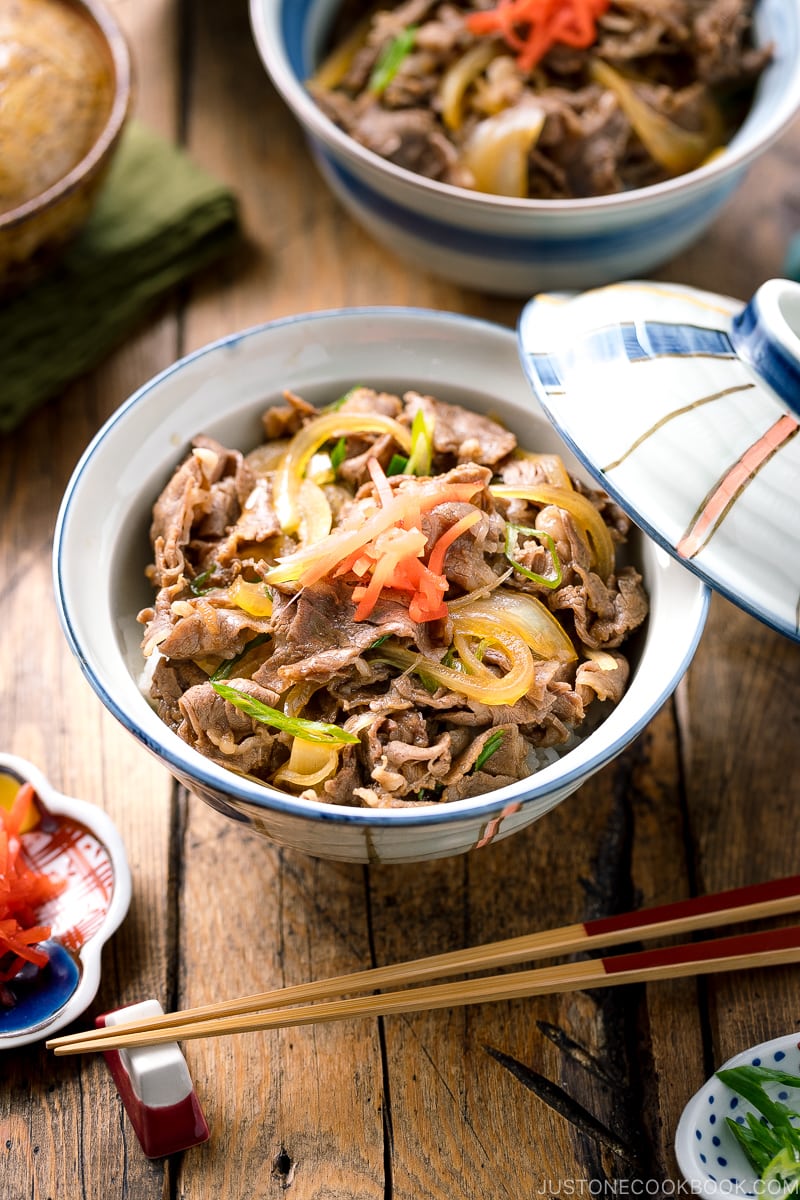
(685, 406)
(512, 246)
(101, 550)
(78, 843)
(709, 1156)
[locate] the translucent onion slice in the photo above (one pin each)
(676, 149)
(522, 615)
(332, 70)
(480, 685)
(314, 562)
(582, 510)
(317, 518)
(305, 444)
(497, 150)
(309, 764)
(252, 598)
(458, 78)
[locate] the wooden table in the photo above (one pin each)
(498, 1102)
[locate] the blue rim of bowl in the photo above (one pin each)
(286, 78)
(191, 763)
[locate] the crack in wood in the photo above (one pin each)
(581, 1055)
(561, 1102)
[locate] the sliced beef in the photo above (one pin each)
(228, 736)
(469, 436)
(315, 636)
(604, 615)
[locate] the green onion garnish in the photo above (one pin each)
(419, 461)
(548, 581)
(224, 669)
(389, 60)
(196, 584)
(307, 731)
(338, 453)
(490, 747)
(398, 465)
(771, 1141)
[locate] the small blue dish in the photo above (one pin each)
(709, 1157)
(78, 843)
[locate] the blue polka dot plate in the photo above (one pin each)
(708, 1155)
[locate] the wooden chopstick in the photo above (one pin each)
(703, 912)
(748, 903)
(739, 952)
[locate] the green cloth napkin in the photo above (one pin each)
(158, 219)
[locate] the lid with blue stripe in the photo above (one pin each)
(685, 406)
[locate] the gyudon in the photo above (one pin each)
(386, 603)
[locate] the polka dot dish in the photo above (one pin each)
(708, 1155)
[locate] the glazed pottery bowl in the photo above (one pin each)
(708, 1153)
(513, 246)
(222, 390)
(64, 108)
(696, 435)
(78, 844)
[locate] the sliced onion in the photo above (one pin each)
(676, 149)
(497, 150)
(584, 512)
(332, 70)
(480, 685)
(305, 443)
(458, 78)
(314, 562)
(317, 518)
(309, 764)
(252, 598)
(521, 614)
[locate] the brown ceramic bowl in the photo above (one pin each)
(66, 94)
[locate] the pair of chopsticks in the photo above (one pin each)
(310, 1003)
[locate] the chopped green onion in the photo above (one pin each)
(419, 461)
(398, 465)
(384, 638)
(548, 581)
(224, 669)
(490, 747)
(770, 1142)
(389, 60)
(307, 731)
(196, 584)
(338, 453)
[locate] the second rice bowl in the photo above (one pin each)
(222, 390)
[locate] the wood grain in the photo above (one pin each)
(501, 1101)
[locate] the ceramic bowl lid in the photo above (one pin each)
(685, 406)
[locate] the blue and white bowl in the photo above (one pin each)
(709, 1156)
(102, 548)
(511, 246)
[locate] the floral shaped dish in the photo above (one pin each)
(685, 406)
(709, 1156)
(78, 843)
